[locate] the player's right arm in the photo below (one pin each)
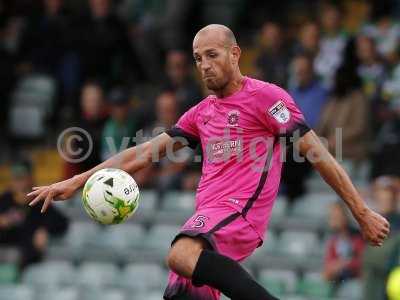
(129, 160)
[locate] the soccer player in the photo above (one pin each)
(239, 129)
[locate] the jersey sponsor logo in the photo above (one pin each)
(233, 118)
(223, 149)
(280, 112)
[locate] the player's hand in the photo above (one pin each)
(62, 190)
(374, 227)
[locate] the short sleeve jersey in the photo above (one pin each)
(241, 140)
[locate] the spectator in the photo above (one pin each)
(181, 81)
(25, 227)
(344, 247)
(308, 40)
(332, 45)
(104, 47)
(169, 171)
(371, 70)
(307, 90)
(120, 129)
(386, 146)
(385, 194)
(347, 111)
(386, 33)
(92, 120)
(272, 63)
(7, 70)
(376, 260)
(46, 39)
(157, 27)
(372, 73)
(311, 97)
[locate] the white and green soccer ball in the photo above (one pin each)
(110, 196)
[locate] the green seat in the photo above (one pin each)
(147, 206)
(270, 242)
(278, 281)
(16, 292)
(151, 296)
(351, 290)
(143, 277)
(81, 234)
(160, 237)
(49, 274)
(121, 238)
(95, 275)
(296, 297)
(176, 208)
(297, 243)
(313, 285)
(70, 293)
(8, 273)
(279, 210)
(179, 202)
(103, 294)
(313, 207)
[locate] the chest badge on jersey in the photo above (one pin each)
(280, 112)
(233, 118)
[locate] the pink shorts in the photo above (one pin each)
(227, 232)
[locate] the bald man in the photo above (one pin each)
(240, 128)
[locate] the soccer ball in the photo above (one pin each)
(110, 196)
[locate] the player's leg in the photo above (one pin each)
(190, 258)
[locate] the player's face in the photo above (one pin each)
(213, 61)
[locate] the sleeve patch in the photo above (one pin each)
(280, 112)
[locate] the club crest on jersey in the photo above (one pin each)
(280, 112)
(233, 118)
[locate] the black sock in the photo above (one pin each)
(227, 276)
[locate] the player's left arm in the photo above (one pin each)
(374, 227)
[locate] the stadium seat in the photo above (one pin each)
(176, 208)
(296, 297)
(31, 101)
(147, 206)
(103, 294)
(313, 206)
(150, 277)
(351, 290)
(51, 273)
(270, 242)
(178, 201)
(8, 273)
(297, 243)
(16, 292)
(160, 237)
(313, 285)
(279, 282)
(31, 127)
(36, 89)
(120, 239)
(279, 210)
(151, 296)
(95, 275)
(70, 293)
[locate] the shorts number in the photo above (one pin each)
(199, 222)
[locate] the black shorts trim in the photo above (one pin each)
(208, 235)
(193, 233)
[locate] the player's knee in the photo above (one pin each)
(183, 256)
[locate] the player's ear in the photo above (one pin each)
(235, 54)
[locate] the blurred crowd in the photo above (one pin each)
(116, 67)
